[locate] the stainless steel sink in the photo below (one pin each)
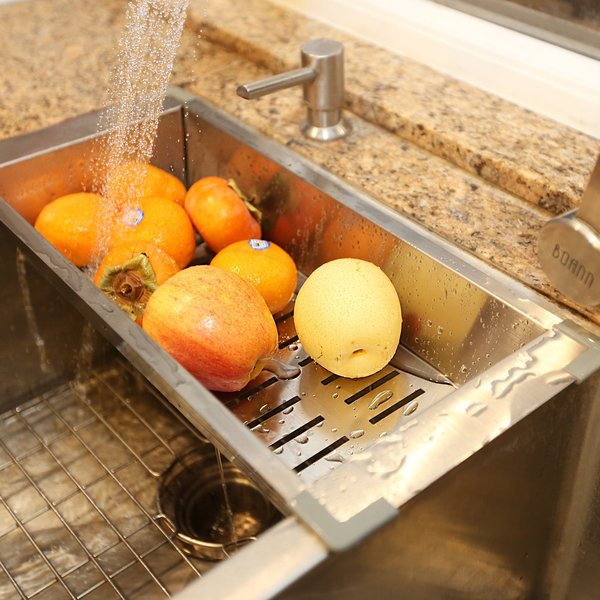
(466, 468)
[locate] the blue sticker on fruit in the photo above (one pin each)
(133, 217)
(259, 244)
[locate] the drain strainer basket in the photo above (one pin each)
(211, 508)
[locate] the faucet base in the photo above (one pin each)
(325, 134)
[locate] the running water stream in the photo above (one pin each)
(147, 51)
(146, 54)
(233, 537)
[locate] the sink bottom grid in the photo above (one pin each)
(79, 467)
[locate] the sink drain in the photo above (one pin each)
(213, 509)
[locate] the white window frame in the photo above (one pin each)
(537, 75)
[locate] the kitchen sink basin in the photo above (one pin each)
(467, 467)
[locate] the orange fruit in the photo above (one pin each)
(265, 265)
(157, 221)
(131, 181)
(162, 264)
(72, 224)
(220, 213)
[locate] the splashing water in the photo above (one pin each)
(232, 533)
(146, 54)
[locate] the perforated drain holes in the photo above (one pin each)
(252, 391)
(329, 379)
(208, 523)
(371, 387)
(308, 421)
(319, 455)
(288, 342)
(297, 432)
(271, 413)
(305, 361)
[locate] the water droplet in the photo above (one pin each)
(287, 410)
(335, 457)
(475, 409)
(477, 383)
(293, 347)
(335, 395)
(408, 425)
(410, 408)
(510, 385)
(558, 377)
(380, 398)
(301, 439)
(334, 429)
(463, 368)
(357, 433)
(278, 450)
(440, 330)
(263, 409)
(429, 322)
(387, 464)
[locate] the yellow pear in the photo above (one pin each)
(348, 317)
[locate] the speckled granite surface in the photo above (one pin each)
(471, 167)
(523, 153)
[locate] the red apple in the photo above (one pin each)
(215, 324)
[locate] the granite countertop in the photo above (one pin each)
(475, 169)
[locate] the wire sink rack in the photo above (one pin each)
(78, 478)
